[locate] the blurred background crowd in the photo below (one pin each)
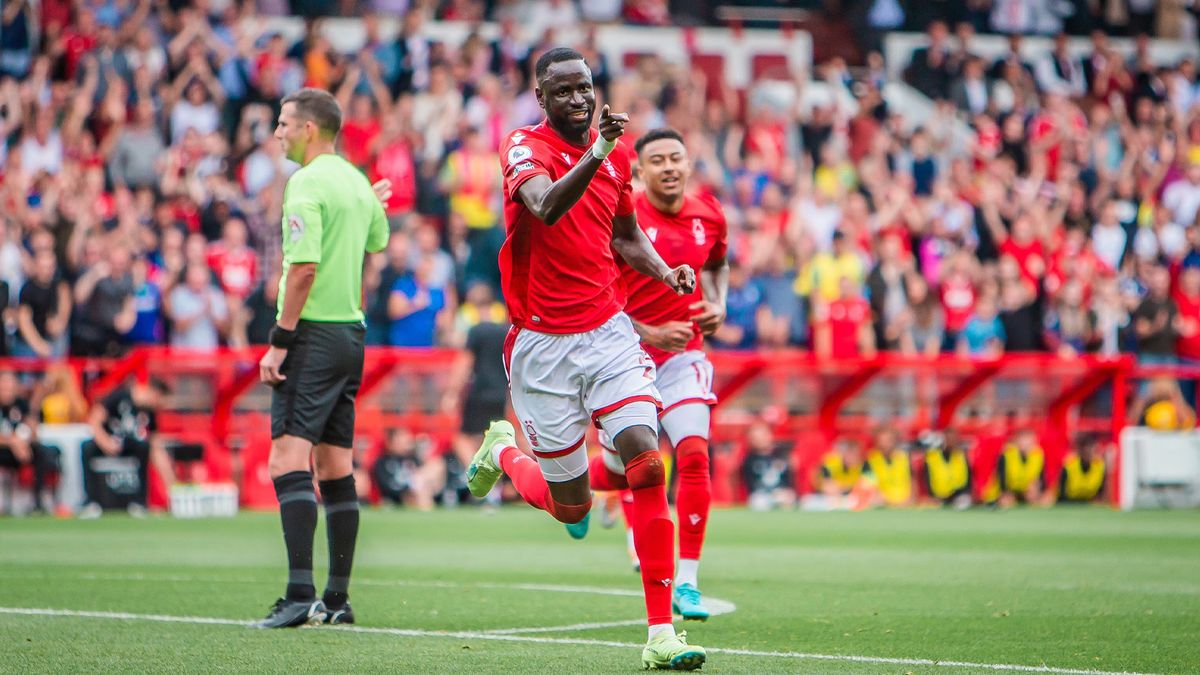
(140, 186)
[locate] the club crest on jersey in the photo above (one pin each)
(530, 433)
(295, 227)
(518, 153)
(698, 231)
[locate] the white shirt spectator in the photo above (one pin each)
(204, 118)
(977, 95)
(1182, 198)
(258, 172)
(543, 14)
(819, 220)
(10, 263)
(1172, 240)
(600, 11)
(186, 304)
(1061, 76)
(154, 60)
(1108, 243)
(38, 156)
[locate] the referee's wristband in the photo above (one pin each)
(602, 147)
(281, 337)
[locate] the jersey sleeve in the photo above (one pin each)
(378, 232)
(522, 158)
(303, 223)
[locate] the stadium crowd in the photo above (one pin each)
(140, 185)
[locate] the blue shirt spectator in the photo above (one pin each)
(984, 333)
(740, 330)
(414, 308)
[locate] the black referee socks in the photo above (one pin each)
(341, 524)
(298, 511)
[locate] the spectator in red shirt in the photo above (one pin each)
(362, 128)
(395, 161)
(843, 327)
(233, 261)
(958, 294)
(76, 41)
(1187, 300)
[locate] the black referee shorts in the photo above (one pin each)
(478, 413)
(323, 369)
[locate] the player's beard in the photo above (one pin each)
(573, 129)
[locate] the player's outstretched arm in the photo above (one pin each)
(634, 246)
(548, 201)
(714, 287)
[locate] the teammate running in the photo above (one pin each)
(685, 230)
(573, 356)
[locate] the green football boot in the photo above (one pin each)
(483, 471)
(672, 652)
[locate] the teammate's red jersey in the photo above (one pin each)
(694, 236)
(561, 278)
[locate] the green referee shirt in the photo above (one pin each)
(331, 216)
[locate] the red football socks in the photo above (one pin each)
(653, 533)
(693, 496)
(527, 479)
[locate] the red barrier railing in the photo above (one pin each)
(218, 401)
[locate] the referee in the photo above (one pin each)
(331, 217)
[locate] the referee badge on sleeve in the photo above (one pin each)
(295, 227)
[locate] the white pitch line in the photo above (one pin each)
(181, 578)
(564, 629)
(716, 607)
(469, 635)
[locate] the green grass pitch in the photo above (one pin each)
(1063, 590)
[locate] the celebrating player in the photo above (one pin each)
(573, 356)
(685, 230)
(331, 217)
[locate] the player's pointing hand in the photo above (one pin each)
(682, 279)
(612, 126)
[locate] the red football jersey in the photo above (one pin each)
(236, 269)
(694, 236)
(1189, 312)
(845, 317)
(561, 278)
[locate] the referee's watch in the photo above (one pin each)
(281, 337)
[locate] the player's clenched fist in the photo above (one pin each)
(612, 126)
(682, 279)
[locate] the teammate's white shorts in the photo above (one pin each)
(685, 383)
(562, 383)
(686, 378)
